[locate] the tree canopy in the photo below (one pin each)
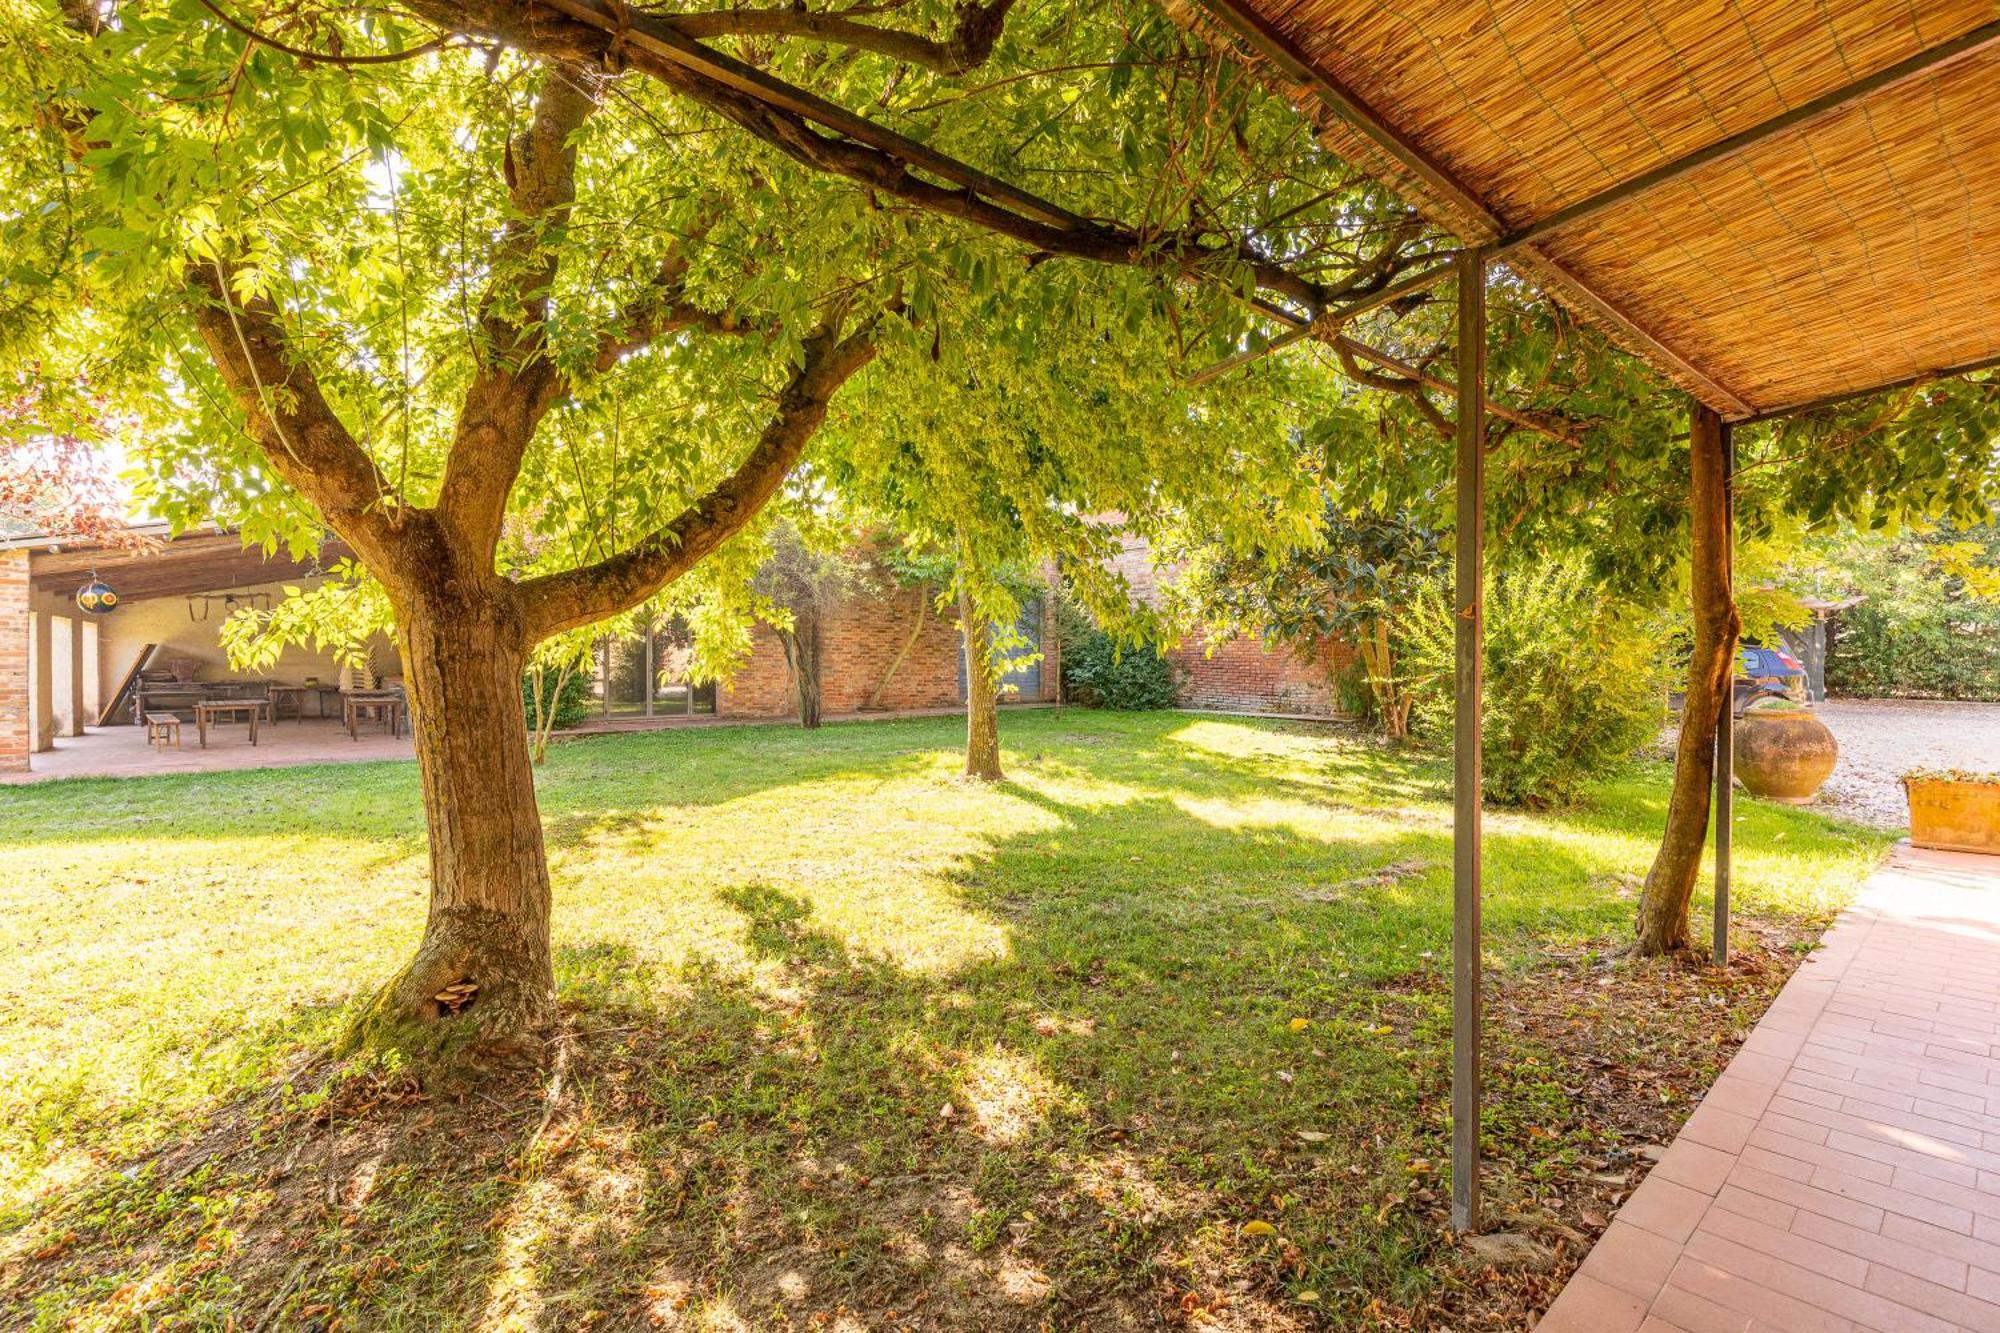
(538, 304)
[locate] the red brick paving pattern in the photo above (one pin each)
(1843, 1175)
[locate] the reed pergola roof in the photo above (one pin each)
(1777, 204)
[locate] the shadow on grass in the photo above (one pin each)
(1199, 1016)
(1071, 1133)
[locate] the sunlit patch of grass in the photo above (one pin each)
(856, 1035)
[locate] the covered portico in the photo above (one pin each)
(76, 685)
(1779, 207)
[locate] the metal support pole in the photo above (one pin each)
(1725, 729)
(1465, 832)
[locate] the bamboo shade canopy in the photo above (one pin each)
(1776, 203)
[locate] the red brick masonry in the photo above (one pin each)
(15, 638)
(1244, 675)
(1252, 676)
(861, 640)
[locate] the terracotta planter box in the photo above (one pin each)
(1954, 814)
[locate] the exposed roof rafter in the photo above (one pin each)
(1930, 61)
(1297, 66)
(1907, 381)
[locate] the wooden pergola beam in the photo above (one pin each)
(1291, 60)
(1850, 395)
(1923, 63)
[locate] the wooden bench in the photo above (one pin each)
(161, 728)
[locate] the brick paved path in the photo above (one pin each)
(1844, 1172)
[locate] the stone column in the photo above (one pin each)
(75, 682)
(43, 671)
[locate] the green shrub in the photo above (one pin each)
(1097, 674)
(1912, 650)
(1928, 624)
(1572, 685)
(572, 704)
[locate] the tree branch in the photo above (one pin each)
(664, 308)
(556, 602)
(301, 53)
(971, 41)
(516, 380)
(1409, 386)
(1411, 381)
(570, 30)
(289, 418)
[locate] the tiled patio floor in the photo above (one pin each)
(122, 752)
(1844, 1172)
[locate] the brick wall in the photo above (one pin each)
(14, 648)
(1244, 675)
(864, 637)
(861, 638)
(1248, 675)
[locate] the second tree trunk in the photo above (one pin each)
(982, 695)
(1664, 906)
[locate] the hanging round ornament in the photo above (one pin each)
(97, 597)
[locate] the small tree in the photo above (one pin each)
(802, 587)
(552, 688)
(1354, 583)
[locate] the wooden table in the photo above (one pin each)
(210, 711)
(384, 706)
(297, 695)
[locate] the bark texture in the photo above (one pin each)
(805, 647)
(982, 695)
(1663, 907)
(463, 650)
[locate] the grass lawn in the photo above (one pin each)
(1155, 1034)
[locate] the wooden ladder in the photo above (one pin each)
(124, 691)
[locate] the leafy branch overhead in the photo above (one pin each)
(537, 323)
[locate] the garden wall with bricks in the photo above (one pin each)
(1245, 674)
(861, 641)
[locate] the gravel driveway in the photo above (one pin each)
(1881, 739)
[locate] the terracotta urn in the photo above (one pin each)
(1783, 754)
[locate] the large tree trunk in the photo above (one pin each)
(1663, 907)
(488, 925)
(982, 695)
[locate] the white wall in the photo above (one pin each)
(123, 634)
(59, 676)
